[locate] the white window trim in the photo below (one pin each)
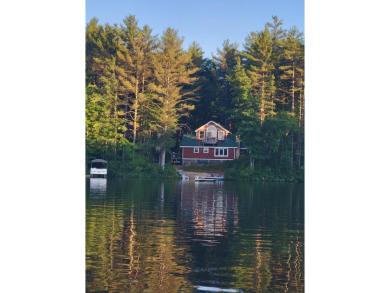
(196, 150)
(203, 134)
(191, 158)
(223, 135)
(205, 149)
(218, 155)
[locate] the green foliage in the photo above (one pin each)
(243, 104)
(171, 73)
(260, 66)
(291, 78)
(140, 167)
(143, 93)
(225, 61)
(210, 104)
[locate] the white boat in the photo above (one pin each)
(211, 178)
(205, 179)
(216, 289)
(98, 167)
(218, 178)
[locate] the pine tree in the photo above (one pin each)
(94, 48)
(240, 87)
(245, 107)
(258, 52)
(278, 35)
(196, 55)
(171, 73)
(134, 55)
(196, 61)
(210, 91)
(224, 62)
(292, 66)
(105, 123)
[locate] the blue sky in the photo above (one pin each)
(208, 22)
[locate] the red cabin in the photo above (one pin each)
(210, 143)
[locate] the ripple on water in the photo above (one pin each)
(166, 237)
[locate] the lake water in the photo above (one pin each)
(174, 236)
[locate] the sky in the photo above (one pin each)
(208, 22)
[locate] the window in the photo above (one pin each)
(221, 152)
(205, 150)
(196, 150)
(221, 135)
(201, 134)
(211, 132)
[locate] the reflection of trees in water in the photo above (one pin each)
(103, 229)
(131, 250)
(287, 241)
(135, 242)
(270, 259)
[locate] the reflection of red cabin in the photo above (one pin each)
(211, 143)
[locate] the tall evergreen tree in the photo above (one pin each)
(292, 66)
(225, 61)
(196, 61)
(106, 123)
(210, 91)
(278, 35)
(245, 108)
(279, 142)
(134, 56)
(94, 48)
(258, 51)
(171, 73)
(240, 87)
(196, 55)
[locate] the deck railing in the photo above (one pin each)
(210, 140)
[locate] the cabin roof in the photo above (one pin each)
(219, 125)
(189, 140)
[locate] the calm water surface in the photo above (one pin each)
(174, 236)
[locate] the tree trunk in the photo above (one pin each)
(262, 106)
(292, 152)
(299, 150)
(162, 158)
(293, 88)
(116, 122)
(135, 109)
(300, 109)
(251, 162)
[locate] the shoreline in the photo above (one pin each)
(193, 174)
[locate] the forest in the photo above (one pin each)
(144, 91)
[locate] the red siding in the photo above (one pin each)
(188, 153)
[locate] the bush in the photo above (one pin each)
(247, 173)
(139, 166)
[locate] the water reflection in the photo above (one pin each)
(97, 187)
(207, 210)
(170, 236)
